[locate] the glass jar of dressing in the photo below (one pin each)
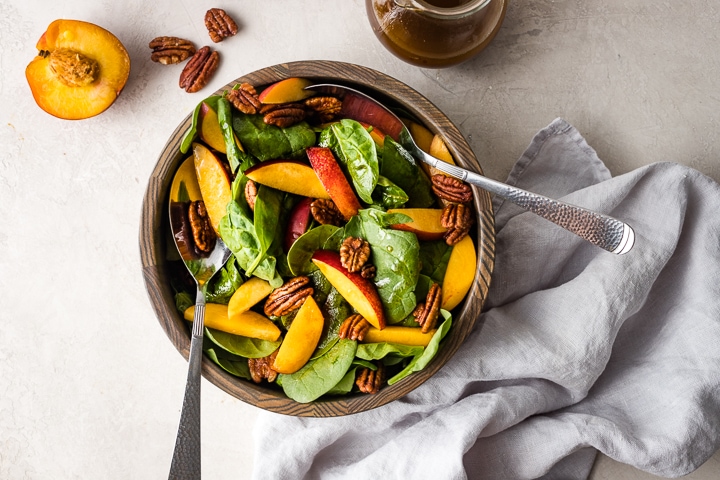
(435, 33)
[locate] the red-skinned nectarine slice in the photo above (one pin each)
(80, 69)
(359, 292)
(286, 91)
(333, 179)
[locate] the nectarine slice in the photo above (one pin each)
(80, 69)
(333, 179)
(301, 339)
(399, 334)
(286, 91)
(425, 222)
(359, 292)
(185, 182)
(422, 136)
(459, 274)
(247, 324)
(214, 181)
(288, 176)
(248, 295)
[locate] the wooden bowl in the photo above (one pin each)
(154, 241)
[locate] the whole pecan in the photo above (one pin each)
(323, 109)
(354, 327)
(199, 69)
(451, 189)
(283, 115)
(171, 50)
(288, 297)
(354, 253)
(219, 24)
(203, 233)
(369, 380)
(325, 212)
(251, 191)
(426, 313)
(244, 97)
(457, 218)
(261, 368)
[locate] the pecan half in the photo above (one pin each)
(368, 271)
(354, 253)
(219, 24)
(288, 297)
(325, 212)
(457, 218)
(354, 327)
(369, 380)
(261, 368)
(244, 97)
(451, 189)
(323, 109)
(283, 115)
(199, 69)
(426, 313)
(203, 234)
(171, 50)
(251, 191)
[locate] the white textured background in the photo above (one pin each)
(90, 387)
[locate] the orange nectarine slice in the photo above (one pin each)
(359, 292)
(288, 176)
(80, 69)
(210, 131)
(247, 324)
(214, 181)
(286, 91)
(422, 136)
(301, 339)
(459, 274)
(333, 179)
(399, 334)
(185, 179)
(425, 222)
(248, 295)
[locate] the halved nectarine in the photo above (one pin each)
(80, 69)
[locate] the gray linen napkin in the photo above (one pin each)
(578, 350)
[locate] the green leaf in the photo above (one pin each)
(300, 254)
(377, 351)
(243, 346)
(224, 283)
(434, 257)
(421, 361)
(344, 386)
(266, 142)
(401, 168)
(388, 195)
(354, 147)
(233, 364)
(319, 376)
(236, 157)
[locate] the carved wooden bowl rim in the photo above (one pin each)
(154, 227)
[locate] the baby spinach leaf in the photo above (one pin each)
(224, 283)
(303, 248)
(344, 386)
(401, 168)
(395, 255)
(243, 346)
(233, 364)
(434, 257)
(388, 195)
(335, 310)
(192, 131)
(422, 360)
(237, 159)
(266, 142)
(183, 301)
(355, 148)
(267, 213)
(376, 351)
(319, 376)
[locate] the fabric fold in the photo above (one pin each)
(578, 350)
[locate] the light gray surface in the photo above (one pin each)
(90, 385)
